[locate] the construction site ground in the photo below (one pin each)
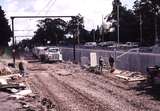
(67, 87)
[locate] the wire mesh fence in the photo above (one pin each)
(134, 61)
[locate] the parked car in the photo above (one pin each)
(90, 44)
(108, 43)
(146, 49)
(132, 44)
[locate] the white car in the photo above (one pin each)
(51, 54)
(90, 44)
(108, 43)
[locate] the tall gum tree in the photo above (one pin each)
(149, 11)
(128, 24)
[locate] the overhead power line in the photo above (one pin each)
(44, 8)
(24, 36)
(23, 30)
(38, 16)
(53, 3)
(49, 1)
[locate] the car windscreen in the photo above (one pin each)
(53, 50)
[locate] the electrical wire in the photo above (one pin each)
(53, 3)
(49, 1)
(47, 4)
(47, 7)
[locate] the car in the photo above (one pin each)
(37, 51)
(108, 43)
(102, 44)
(51, 54)
(132, 44)
(90, 44)
(146, 49)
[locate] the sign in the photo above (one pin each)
(93, 59)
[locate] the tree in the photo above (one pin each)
(97, 34)
(127, 21)
(5, 31)
(148, 12)
(50, 31)
(84, 36)
(92, 34)
(75, 25)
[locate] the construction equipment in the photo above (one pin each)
(154, 74)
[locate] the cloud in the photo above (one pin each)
(91, 10)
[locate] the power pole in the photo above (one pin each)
(74, 48)
(94, 38)
(102, 29)
(156, 33)
(118, 4)
(13, 41)
(140, 25)
(78, 32)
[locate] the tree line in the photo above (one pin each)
(140, 24)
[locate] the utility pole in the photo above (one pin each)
(118, 4)
(13, 41)
(94, 38)
(78, 32)
(74, 47)
(102, 34)
(140, 25)
(156, 33)
(141, 21)
(102, 29)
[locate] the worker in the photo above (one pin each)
(101, 63)
(26, 49)
(111, 63)
(21, 69)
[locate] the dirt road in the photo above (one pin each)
(72, 89)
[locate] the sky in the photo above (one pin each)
(91, 10)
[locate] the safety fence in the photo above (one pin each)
(132, 61)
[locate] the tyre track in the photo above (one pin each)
(127, 96)
(72, 100)
(114, 91)
(101, 106)
(104, 96)
(38, 85)
(109, 85)
(132, 98)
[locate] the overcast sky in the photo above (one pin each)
(91, 10)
